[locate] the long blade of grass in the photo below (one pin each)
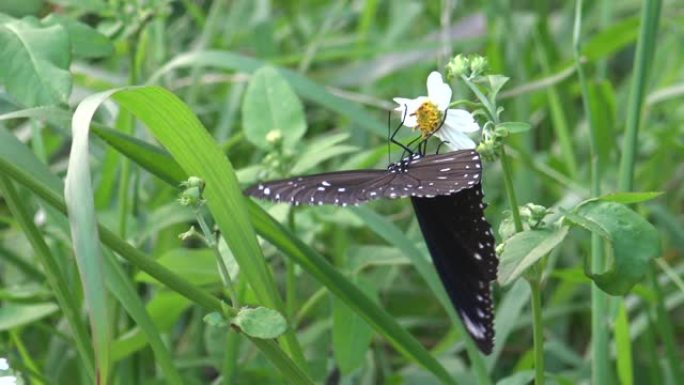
(78, 195)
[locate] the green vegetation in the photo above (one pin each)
(128, 130)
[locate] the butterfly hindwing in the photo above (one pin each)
(461, 244)
(417, 176)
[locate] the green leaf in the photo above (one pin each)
(601, 97)
(261, 322)
(525, 248)
(12, 316)
(634, 243)
(86, 42)
(196, 266)
(35, 61)
(78, 195)
(18, 8)
(271, 107)
(573, 218)
(351, 334)
(520, 378)
(612, 39)
(515, 127)
(314, 158)
(320, 150)
(630, 197)
(215, 319)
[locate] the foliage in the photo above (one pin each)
(125, 100)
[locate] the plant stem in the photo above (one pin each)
(537, 325)
(213, 245)
(599, 300)
(642, 63)
(510, 191)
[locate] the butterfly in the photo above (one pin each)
(446, 193)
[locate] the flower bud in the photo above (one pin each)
(456, 67)
(478, 65)
(274, 137)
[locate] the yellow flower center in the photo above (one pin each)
(429, 118)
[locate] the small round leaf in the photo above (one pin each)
(260, 322)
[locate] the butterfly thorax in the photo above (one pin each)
(403, 165)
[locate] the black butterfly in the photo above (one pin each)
(416, 175)
(447, 196)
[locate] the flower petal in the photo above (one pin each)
(461, 120)
(411, 104)
(455, 140)
(438, 91)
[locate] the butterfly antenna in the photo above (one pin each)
(389, 122)
(403, 119)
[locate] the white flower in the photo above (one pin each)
(426, 113)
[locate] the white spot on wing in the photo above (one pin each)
(476, 330)
(267, 191)
(341, 189)
(325, 183)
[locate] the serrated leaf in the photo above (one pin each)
(35, 61)
(525, 248)
(631, 197)
(260, 322)
(271, 107)
(634, 243)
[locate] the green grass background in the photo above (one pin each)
(110, 292)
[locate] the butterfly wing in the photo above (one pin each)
(445, 174)
(462, 248)
(340, 188)
(427, 176)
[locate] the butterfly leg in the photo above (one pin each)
(440, 145)
(396, 130)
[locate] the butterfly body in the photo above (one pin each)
(446, 193)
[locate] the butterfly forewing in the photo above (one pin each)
(432, 175)
(462, 248)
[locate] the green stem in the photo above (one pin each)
(510, 191)
(599, 300)
(213, 245)
(642, 64)
(537, 325)
(664, 326)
